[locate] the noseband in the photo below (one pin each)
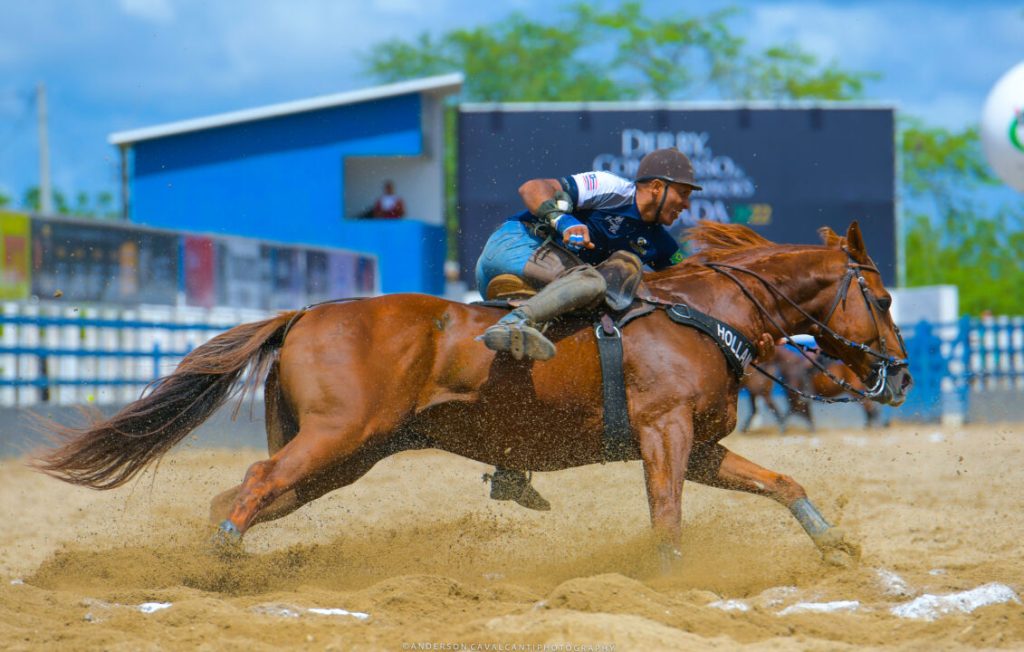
(884, 361)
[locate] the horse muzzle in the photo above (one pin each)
(889, 383)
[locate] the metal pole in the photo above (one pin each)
(125, 188)
(45, 191)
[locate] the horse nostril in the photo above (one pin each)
(907, 381)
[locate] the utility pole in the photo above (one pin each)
(45, 192)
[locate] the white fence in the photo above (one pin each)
(68, 356)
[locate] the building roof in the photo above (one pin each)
(439, 85)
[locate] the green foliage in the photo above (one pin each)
(515, 59)
(938, 163)
(979, 255)
(668, 56)
(640, 55)
(951, 237)
(5, 200)
(99, 206)
(788, 72)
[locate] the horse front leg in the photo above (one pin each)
(716, 466)
(665, 449)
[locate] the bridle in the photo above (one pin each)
(854, 270)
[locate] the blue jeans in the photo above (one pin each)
(506, 252)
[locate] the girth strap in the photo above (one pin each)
(618, 433)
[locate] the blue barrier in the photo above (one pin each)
(948, 361)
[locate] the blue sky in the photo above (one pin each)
(113, 65)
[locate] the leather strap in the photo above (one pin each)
(618, 433)
(736, 348)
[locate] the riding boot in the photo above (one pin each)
(510, 484)
(516, 333)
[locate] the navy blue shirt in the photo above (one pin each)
(606, 204)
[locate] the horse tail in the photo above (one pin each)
(109, 453)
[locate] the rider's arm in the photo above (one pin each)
(548, 200)
(537, 191)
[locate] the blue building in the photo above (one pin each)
(303, 172)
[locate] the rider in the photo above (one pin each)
(571, 225)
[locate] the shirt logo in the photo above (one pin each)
(590, 181)
(614, 223)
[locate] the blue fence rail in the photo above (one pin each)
(953, 362)
(69, 357)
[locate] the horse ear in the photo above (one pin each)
(855, 241)
(830, 237)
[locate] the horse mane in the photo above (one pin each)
(713, 240)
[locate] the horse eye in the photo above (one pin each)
(885, 303)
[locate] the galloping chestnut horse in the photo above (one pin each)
(351, 383)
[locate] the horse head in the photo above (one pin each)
(855, 325)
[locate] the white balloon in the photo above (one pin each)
(1002, 127)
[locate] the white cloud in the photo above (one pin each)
(156, 11)
(951, 110)
(848, 34)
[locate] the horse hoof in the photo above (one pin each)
(227, 540)
(670, 558)
(836, 549)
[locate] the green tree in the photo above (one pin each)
(99, 206)
(5, 200)
(788, 72)
(951, 235)
(515, 59)
(666, 56)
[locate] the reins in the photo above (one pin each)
(854, 270)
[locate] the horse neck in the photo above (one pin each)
(799, 273)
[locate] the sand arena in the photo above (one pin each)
(414, 556)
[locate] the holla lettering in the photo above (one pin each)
(735, 345)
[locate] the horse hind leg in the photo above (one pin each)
(325, 454)
(716, 466)
(306, 491)
(281, 428)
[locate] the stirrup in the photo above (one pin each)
(509, 484)
(513, 334)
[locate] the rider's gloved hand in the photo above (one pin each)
(557, 212)
(576, 236)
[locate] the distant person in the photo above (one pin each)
(389, 205)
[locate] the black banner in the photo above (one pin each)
(784, 172)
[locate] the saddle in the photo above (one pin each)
(508, 287)
(622, 273)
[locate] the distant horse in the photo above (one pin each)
(822, 385)
(786, 365)
(348, 384)
(800, 374)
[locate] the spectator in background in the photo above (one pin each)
(389, 205)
